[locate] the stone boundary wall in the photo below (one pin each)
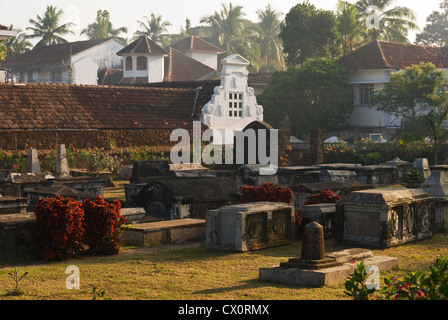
(159, 139)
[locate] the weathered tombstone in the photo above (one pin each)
(313, 251)
(337, 175)
(422, 165)
(384, 217)
(62, 169)
(33, 165)
(317, 146)
(402, 167)
(437, 183)
(250, 226)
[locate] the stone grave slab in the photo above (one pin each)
(160, 232)
(250, 226)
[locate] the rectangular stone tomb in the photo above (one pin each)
(322, 213)
(384, 217)
(336, 268)
(250, 226)
(17, 235)
(160, 232)
(13, 205)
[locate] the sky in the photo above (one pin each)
(128, 12)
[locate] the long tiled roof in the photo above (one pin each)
(193, 43)
(63, 106)
(391, 55)
(56, 52)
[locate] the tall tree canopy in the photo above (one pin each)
(102, 28)
(153, 27)
(435, 32)
(315, 94)
(394, 23)
(234, 33)
(271, 45)
(48, 28)
(308, 32)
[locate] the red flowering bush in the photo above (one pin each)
(268, 192)
(325, 196)
(59, 227)
(102, 223)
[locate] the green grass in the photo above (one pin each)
(190, 271)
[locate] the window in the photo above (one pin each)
(129, 63)
(365, 93)
(56, 76)
(235, 105)
(142, 63)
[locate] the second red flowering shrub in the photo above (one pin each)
(59, 227)
(102, 223)
(325, 196)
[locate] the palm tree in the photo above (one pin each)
(394, 22)
(235, 34)
(350, 26)
(153, 28)
(18, 44)
(102, 28)
(271, 46)
(47, 28)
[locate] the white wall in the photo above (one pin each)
(104, 55)
(84, 71)
(155, 68)
(207, 58)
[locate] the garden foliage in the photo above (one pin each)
(66, 228)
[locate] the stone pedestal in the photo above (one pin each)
(437, 183)
(62, 169)
(33, 165)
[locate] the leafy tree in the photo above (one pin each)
(102, 28)
(412, 92)
(308, 32)
(234, 33)
(435, 32)
(435, 118)
(316, 94)
(270, 43)
(395, 22)
(153, 28)
(48, 29)
(351, 28)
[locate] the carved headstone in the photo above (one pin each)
(33, 165)
(62, 169)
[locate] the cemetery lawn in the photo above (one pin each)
(190, 271)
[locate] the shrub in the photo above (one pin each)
(59, 227)
(102, 223)
(325, 196)
(414, 286)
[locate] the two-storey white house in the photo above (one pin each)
(74, 62)
(368, 68)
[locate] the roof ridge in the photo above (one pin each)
(383, 58)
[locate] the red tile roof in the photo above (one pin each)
(2, 27)
(193, 43)
(55, 52)
(391, 55)
(63, 106)
(143, 45)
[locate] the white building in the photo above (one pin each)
(234, 104)
(368, 68)
(74, 62)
